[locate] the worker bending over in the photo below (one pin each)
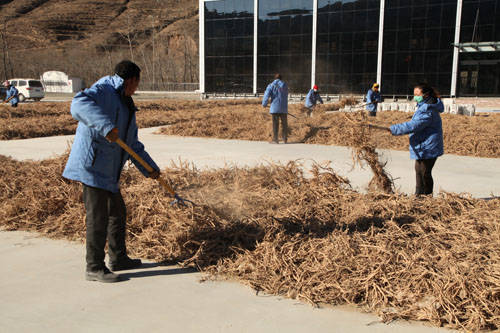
(311, 99)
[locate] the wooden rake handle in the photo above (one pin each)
(377, 127)
(145, 165)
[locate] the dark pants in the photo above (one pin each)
(423, 171)
(284, 126)
(106, 216)
(14, 105)
(309, 111)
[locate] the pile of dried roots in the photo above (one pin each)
(33, 120)
(469, 136)
(247, 120)
(310, 238)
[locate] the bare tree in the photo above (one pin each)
(4, 45)
(153, 54)
(129, 37)
(145, 63)
(6, 58)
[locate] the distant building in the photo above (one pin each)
(346, 45)
(54, 81)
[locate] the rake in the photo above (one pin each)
(163, 182)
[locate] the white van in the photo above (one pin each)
(28, 89)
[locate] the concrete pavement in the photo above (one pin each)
(478, 176)
(42, 289)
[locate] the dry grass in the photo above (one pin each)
(468, 136)
(246, 120)
(313, 239)
(33, 120)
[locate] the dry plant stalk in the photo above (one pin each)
(364, 151)
(310, 238)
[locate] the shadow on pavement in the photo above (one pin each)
(150, 273)
(489, 198)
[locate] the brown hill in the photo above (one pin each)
(86, 38)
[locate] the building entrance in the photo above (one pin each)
(479, 78)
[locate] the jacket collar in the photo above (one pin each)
(117, 82)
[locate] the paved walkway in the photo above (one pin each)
(478, 176)
(42, 289)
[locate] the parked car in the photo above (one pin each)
(28, 89)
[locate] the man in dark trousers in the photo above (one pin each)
(372, 100)
(105, 113)
(277, 91)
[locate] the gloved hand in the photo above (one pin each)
(112, 136)
(155, 174)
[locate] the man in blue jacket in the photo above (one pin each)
(11, 94)
(311, 99)
(372, 100)
(105, 113)
(277, 91)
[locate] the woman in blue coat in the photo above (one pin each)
(426, 135)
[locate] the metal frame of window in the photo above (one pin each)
(457, 46)
(454, 70)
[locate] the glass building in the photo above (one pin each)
(344, 46)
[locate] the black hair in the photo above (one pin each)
(126, 69)
(277, 77)
(427, 90)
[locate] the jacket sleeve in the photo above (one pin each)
(12, 92)
(369, 96)
(320, 99)
(88, 107)
(138, 147)
(267, 95)
(308, 102)
(420, 121)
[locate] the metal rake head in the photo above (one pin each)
(181, 201)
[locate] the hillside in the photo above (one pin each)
(86, 38)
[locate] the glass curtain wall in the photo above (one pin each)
(346, 45)
(285, 43)
(229, 46)
(479, 72)
(418, 38)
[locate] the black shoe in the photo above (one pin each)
(124, 264)
(102, 275)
